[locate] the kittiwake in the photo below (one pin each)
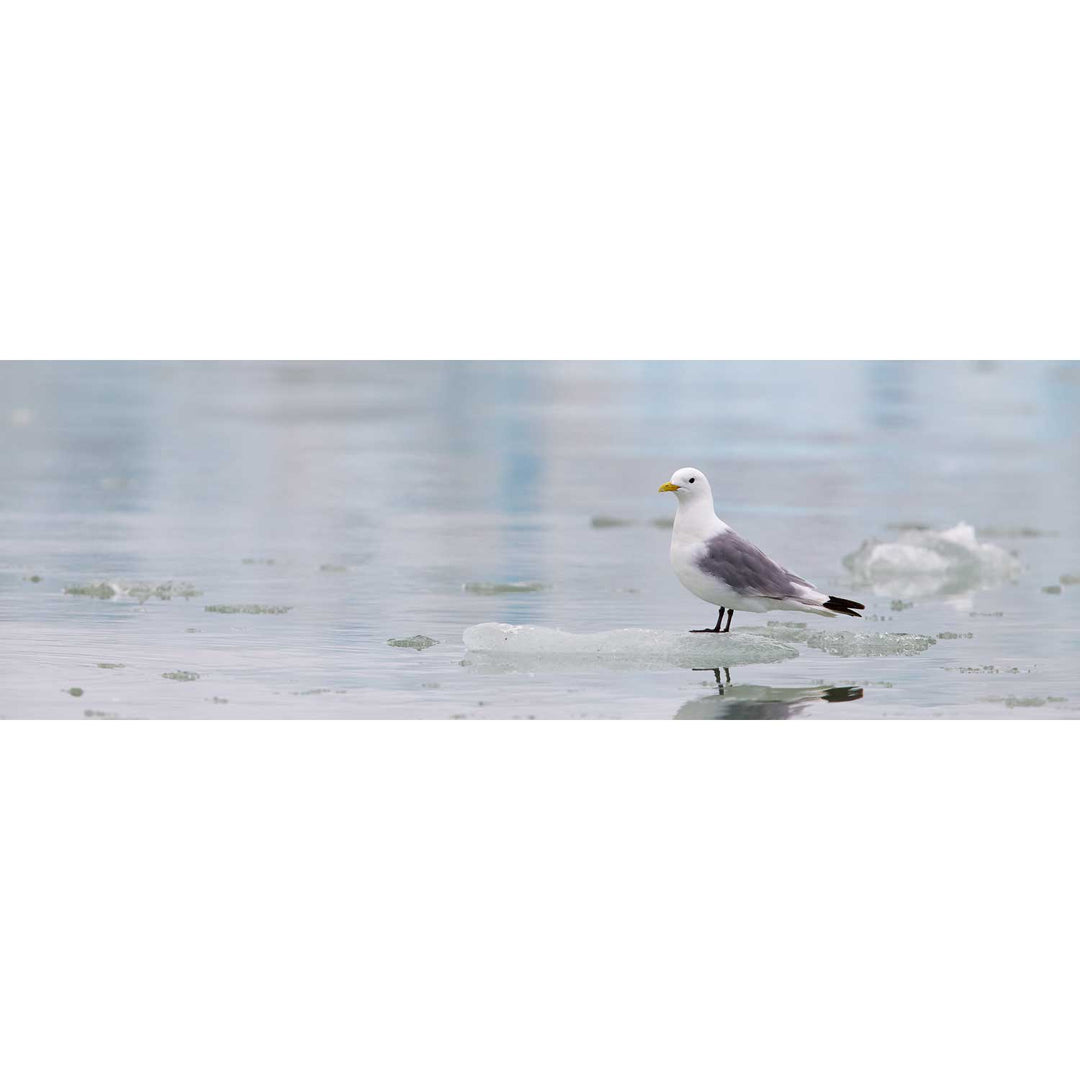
(716, 564)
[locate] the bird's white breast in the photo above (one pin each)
(688, 548)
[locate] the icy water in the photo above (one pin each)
(243, 539)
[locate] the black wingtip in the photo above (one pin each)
(844, 607)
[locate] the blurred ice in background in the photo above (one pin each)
(269, 527)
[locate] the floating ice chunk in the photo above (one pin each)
(541, 646)
(493, 588)
(1024, 532)
(923, 562)
(846, 642)
(247, 609)
(603, 521)
(101, 590)
(418, 642)
(141, 591)
(1012, 702)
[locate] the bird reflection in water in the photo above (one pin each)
(748, 702)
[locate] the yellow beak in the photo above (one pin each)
(668, 487)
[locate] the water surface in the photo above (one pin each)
(363, 498)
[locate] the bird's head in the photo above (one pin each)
(688, 484)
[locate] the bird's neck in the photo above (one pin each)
(698, 518)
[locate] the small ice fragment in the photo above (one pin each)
(141, 591)
(180, 676)
(948, 635)
(101, 590)
(246, 609)
(929, 563)
(333, 568)
(165, 591)
(493, 588)
(628, 648)
(106, 664)
(1052, 589)
(1069, 579)
(417, 642)
(1025, 532)
(74, 691)
(602, 521)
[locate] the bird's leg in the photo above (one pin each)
(716, 628)
(727, 675)
(731, 611)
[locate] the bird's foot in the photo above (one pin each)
(707, 630)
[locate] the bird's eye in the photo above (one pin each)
(691, 479)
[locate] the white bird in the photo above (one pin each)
(716, 564)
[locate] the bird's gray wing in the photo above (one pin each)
(747, 569)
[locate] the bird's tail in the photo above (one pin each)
(844, 607)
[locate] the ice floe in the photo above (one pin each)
(540, 647)
(924, 563)
(845, 642)
(419, 642)
(603, 521)
(247, 609)
(496, 588)
(141, 591)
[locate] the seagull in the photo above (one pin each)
(716, 564)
